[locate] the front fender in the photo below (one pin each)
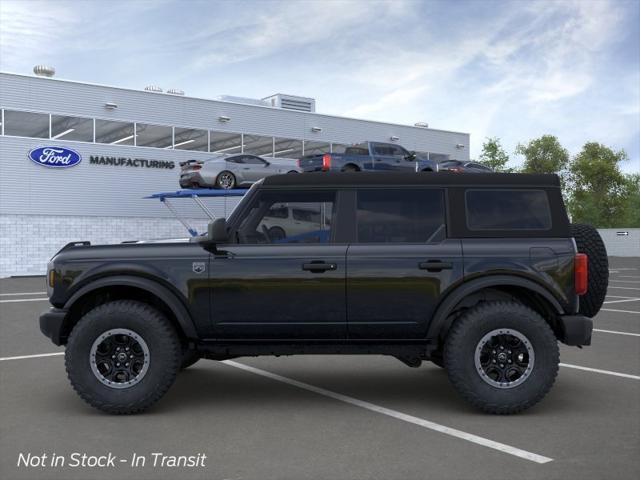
(165, 295)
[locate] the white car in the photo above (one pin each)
(231, 171)
(284, 223)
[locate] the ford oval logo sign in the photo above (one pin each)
(55, 157)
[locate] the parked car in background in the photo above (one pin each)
(368, 156)
(461, 166)
(285, 222)
(230, 171)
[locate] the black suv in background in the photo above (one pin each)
(480, 274)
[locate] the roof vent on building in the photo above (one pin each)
(44, 71)
(175, 91)
(153, 88)
(421, 124)
(292, 102)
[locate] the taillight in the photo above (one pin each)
(299, 162)
(581, 273)
(456, 169)
(326, 162)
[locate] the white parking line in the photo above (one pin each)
(597, 370)
(533, 457)
(628, 276)
(619, 311)
(22, 357)
(622, 288)
(24, 300)
(624, 281)
(630, 299)
(616, 332)
(622, 269)
(23, 293)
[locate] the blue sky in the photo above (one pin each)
(515, 70)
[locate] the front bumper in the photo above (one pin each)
(575, 330)
(52, 324)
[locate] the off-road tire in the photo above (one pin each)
(463, 339)
(189, 357)
(588, 241)
(350, 168)
(165, 355)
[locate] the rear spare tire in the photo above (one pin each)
(588, 241)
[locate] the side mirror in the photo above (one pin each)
(411, 156)
(217, 231)
(266, 164)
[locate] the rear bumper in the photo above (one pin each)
(575, 330)
(52, 324)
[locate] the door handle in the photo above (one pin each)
(435, 266)
(318, 267)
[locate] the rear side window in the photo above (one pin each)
(400, 216)
(507, 210)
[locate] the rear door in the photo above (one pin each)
(401, 262)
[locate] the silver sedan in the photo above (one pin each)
(231, 171)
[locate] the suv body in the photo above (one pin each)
(368, 157)
(390, 265)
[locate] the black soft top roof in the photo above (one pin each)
(413, 178)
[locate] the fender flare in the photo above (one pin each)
(438, 323)
(164, 295)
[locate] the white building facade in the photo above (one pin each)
(129, 144)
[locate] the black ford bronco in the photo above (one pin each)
(480, 274)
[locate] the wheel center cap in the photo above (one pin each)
(121, 357)
(502, 357)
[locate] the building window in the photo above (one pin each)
(226, 143)
(157, 136)
(191, 139)
(258, 145)
(115, 133)
(71, 128)
(26, 124)
(287, 148)
(316, 148)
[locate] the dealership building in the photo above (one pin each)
(127, 144)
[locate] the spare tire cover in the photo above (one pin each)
(588, 241)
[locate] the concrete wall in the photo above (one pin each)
(620, 245)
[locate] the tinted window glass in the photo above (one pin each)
(508, 210)
(71, 128)
(227, 143)
(153, 136)
(268, 221)
(399, 216)
(253, 160)
(115, 133)
(191, 139)
(26, 124)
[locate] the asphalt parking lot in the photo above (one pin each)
(329, 417)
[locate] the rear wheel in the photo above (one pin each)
(350, 168)
(502, 357)
(588, 241)
(276, 233)
(226, 180)
(122, 356)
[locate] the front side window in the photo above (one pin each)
(268, 221)
(508, 210)
(26, 124)
(400, 216)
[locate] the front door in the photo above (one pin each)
(285, 278)
(400, 264)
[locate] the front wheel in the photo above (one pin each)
(122, 356)
(502, 357)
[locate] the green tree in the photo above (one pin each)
(544, 155)
(599, 191)
(494, 156)
(631, 215)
